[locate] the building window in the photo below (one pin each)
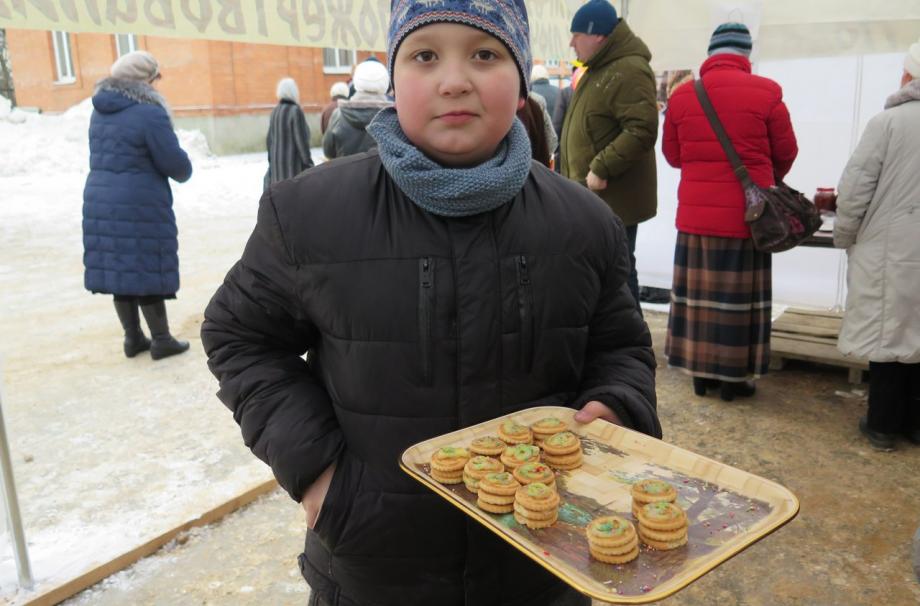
(552, 63)
(63, 63)
(338, 60)
(125, 43)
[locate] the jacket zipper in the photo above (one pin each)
(425, 296)
(525, 308)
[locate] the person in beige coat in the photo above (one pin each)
(878, 222)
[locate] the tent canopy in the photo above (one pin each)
(677, 31)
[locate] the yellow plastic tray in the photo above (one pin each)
(728, 509)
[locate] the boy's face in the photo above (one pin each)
(457, 92)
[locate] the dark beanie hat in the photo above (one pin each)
(733, 38)
(595, 17)
(503, 19)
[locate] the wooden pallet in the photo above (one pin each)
(811, 335)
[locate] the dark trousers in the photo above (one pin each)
(894, 397)
(569, 598)
(142, 300)
(632, 281)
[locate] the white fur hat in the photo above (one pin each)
(136, 65)
(339, 89)
(371, 77)
(539, 72)
(912, 60)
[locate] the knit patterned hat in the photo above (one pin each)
(732, 38)
(503, 19)
(597, 17)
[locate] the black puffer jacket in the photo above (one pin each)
(417, 325)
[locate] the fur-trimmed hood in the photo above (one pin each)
(115, 94)
(362, 107)
(908, 92)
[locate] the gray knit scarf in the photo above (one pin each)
(452, 192)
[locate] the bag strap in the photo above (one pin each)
(740, 170)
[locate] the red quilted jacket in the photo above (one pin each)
(710, 198)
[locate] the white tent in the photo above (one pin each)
(678, 31)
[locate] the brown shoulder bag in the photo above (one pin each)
(779, 217)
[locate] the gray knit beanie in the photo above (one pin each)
(136, 65)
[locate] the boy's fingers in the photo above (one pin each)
(596, 410)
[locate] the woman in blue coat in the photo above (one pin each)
(129, 229)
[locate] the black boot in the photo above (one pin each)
(743, 389)
(701, 384)
(881, 441)
(163, 344)
(135, 340)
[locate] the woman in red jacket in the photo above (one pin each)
(719, 326)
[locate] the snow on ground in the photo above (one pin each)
(108, 452)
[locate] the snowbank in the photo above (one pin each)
(55, 144)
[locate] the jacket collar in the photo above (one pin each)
(621, 42)
(726, 61)
(908, 92)
(135, 90)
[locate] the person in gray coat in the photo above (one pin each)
(347, 132)
(288, 140)
(878, 221)
(540, 84)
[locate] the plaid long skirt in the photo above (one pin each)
(719, 325)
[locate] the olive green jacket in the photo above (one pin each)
(612, 124)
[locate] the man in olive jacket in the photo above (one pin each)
(610, 128)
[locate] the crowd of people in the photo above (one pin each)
(475, 255)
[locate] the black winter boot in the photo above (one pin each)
(701, 384)
(881, 441)
(742, 389)
(163, 344)
(135, 340)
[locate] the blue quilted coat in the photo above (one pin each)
(130, 244)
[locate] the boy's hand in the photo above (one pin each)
(595, 183)
(312, 501)
(596, 410)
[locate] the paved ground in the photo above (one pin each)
(851, 543)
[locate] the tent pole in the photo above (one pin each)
(840, 297)
(13, 517)
(857, 104)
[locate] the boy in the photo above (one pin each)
(440, 282)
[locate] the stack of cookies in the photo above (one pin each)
(613, 540)
(496, 492)
(536, 505)
(662, 525)
(477, 468)
(651, 491)
(488, 446)
(534, 471)
(544, 428)
(562, 451)
(447, 464)
(511, 432)
(517, 455)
